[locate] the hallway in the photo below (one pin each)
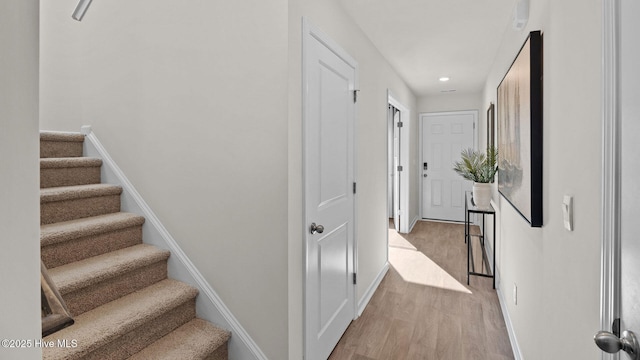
(415, 315)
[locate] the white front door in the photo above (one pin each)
(621, 257)
(444, 136)
(329, 121)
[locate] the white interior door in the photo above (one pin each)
(397, 173)
(390, 161)
(630, 158)
(444, 136)
(329, 118)
(625, 270)
(630, 195)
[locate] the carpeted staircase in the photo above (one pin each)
(115, 286)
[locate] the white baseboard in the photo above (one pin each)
(362, 304)
(507, 320)
(209, 306)
(413, 223)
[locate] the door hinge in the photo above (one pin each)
(355, 278)
(399, 167)
(355, 95)
(400, 124)
(354, 187)
(474, 126)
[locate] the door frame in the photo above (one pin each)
(405, 117)
(421, 142)
(610, 197)
(310, 31)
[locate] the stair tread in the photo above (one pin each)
(193, 340)
(73, 229)
(83, 273)
(99, 326)
(69, 162)
(61, 136)
(78, 192)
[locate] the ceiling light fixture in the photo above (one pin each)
(444, 79)
(82, 7)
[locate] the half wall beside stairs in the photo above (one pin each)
(115, 286)
(209, 305)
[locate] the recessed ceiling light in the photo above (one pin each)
(444, 79)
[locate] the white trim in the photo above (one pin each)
(241, 345)
(610, 197)
(517, 354)
(63, 132)
(362, 304)
(405, 114)
(413, 223)
(316, 33)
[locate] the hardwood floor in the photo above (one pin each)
(423, 308)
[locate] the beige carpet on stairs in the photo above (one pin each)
(115, 286)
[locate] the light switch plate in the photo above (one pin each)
(567, 212)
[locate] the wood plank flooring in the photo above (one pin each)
(423, 308)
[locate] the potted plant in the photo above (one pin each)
(480, 168)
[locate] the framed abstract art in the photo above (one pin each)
(520, 143)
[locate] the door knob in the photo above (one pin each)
(610, 343)
(316, 228)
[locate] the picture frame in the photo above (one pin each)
(491, 126)
(520, 125)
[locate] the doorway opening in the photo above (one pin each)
(398, 120)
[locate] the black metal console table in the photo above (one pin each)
(471, 208)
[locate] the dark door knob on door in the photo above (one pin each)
(316, 228)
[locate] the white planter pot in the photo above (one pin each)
(482, 195)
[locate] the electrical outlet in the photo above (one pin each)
(515, 294)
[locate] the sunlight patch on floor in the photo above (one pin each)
(416, 267)
(396, 240)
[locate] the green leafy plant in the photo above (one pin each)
(477, 166)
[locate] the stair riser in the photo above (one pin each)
(69, 176)
(86, 247)
(60, 149)
(56, 211)
(85, 299)
(138, 339)
(221, 353)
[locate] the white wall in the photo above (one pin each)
(556, 271)
(191, 102)
(375, 77)
(451, 102)
(19, 178)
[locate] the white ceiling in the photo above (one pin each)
(427, 39)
